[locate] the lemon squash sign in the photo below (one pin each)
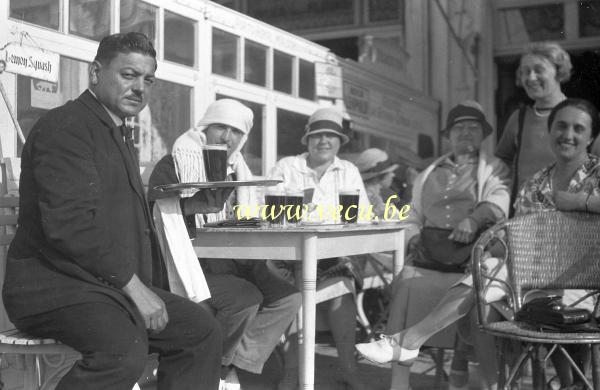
(30, 61)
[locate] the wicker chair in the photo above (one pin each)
(549, 250)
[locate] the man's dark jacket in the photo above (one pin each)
(84, 223)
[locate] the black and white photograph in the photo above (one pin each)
(300, 194)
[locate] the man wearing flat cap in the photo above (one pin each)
(464, 191)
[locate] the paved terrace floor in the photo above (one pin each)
(423, 373)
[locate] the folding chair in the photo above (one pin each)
(548, 251)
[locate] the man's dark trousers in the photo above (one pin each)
(114, 345)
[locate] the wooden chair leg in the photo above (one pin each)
(54, 367)
(440, 374)
(361, 316)
(30, 375)
(517, 366)
(539, 367)
(501, 352)
(596, 366)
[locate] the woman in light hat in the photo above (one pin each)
(320, 170)
(377, 172)
(463, 192)
(253, 304)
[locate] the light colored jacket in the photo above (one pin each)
(492, 186)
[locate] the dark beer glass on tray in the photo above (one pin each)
(349, 202)
(215, 161)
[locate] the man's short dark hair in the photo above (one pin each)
(125, 43)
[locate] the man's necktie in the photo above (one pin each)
(132, 162)
(127, 133)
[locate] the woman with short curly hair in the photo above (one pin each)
(524, 143)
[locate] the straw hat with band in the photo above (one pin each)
(468, 110)
(327, 120)
(374, 162)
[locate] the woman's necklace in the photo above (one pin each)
(538, 113)
(545, 112)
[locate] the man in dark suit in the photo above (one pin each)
(84, 267)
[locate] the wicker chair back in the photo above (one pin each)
(554, 250)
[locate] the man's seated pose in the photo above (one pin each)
(84, 267)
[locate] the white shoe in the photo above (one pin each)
(232, 382)
(386, 350)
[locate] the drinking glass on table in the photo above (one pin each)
(294, 200)
(349, 205)
(275, 206)
(215, 161)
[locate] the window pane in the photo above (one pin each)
(224, 53)
(346, 47)
(180, 39)
(35, 97)
(252, 150)
(306, 87)
(386, 10)
(290, 128)
(303, 14)
(139, 17)
(589, 18)
(255, 63)
(167, 116)
(282, 72)
(44, 13)
(530, 24)
(89, 18)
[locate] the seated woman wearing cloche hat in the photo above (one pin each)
(377, 172)
(454, 199)
(322, 171)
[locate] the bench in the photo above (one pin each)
(34, 351)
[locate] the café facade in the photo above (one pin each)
(205, 52)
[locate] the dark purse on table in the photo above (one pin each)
(549, 313)
(436, 251)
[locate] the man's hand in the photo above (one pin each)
(465, 231)
(149, 304)
(567, 201)
(206, 201)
